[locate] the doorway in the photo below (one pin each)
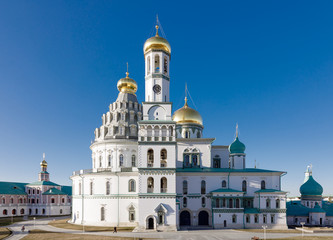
(203, 218)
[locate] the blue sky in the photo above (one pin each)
(267, 65)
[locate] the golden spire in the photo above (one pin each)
(185, 105)
(127, 71)
(156, 31)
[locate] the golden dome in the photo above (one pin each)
(157, 43)
(43, 163)
(187, 115)
(127, 85)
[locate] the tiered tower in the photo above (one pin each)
(43, 175)
(157, 141)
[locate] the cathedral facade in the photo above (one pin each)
(154, 169)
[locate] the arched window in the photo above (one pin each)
(203, 202)
(150, 185)
(109, 160)
(164, 158)
(22, 211)
(195, 160)
(231, 203)
(52, 200)
(100, 161)
(263, 184)
(12, 200)
(131, 212)
(277, 203)
(157, 63)
(79, 188)
(244, 186)
(223, 202)
(91, 188)
(224, 184)
(63, 200)
(133, 161)
(150, 156)
(121, 160)
(237, 203)
(148, 65)
(60, 211)
(36, 211)
(203, 187)
(164, 185)
(187, 134)
(184, 202)
(5, 212)
(165, 65)
(107, 188)
(217, 201)
(131, 185)
(20, 200)
(217, 161)
(234, 218)
(268, 203)
(186, 160)
(14, 211)
(3, 201)
(184, 187)
(43, 210)
(102, 214)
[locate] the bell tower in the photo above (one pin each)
(157, 52)
(157, 141)
(43, 175)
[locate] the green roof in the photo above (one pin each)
(311, 187)
(54, 191)
(48, 183)
(14, 188)
(67, 190)
(269, 191)
(43, 172)
(237, 147)
(245, 170)
(295, 208)
(317, 209)
(251, 210)
(226, 190)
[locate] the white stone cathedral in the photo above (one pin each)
(154, 170)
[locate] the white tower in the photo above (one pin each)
(157, 142)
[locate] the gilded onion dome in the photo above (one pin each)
(187, 115)
(157, 43)
(127, 85)
(43, 163)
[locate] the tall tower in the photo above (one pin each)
(157, 141)
(43, 175)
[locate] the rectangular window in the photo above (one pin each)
(272, 218)
(264, 220)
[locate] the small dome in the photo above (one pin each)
(187, 115)
(311, 187)
(127, 85)
(43, 163)
(237, 146)
(157, 43)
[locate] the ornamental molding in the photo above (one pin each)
(157, 171)
(273, 210)
(232, 210)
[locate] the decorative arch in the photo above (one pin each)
(185, 217)
(151, 222)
